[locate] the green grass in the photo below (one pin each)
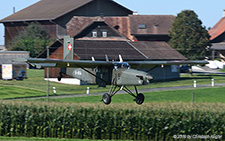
(36, 86)
(222, 70)
(201, 95)
(186, 80)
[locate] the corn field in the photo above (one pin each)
(125, 122)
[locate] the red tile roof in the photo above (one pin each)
(122, 23)
(218, 29)
(127, 26)
(78, 24)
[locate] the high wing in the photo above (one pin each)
(41, 62)
(150, 64)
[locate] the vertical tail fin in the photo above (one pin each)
(68, 48)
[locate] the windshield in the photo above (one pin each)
(121, 65)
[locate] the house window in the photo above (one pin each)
(94, 34)
(142, 26)
(117, 27)
(104, 34)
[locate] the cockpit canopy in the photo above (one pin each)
(121, 65)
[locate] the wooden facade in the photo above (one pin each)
(55, 23)
(13, 29)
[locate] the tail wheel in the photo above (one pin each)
(106, 98)
(140, 98)
(59, 78)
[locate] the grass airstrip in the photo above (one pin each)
(35, 86)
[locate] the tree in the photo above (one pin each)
(188, 36)
(33, 39)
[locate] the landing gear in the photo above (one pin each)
(139, 97)
(60, 76)
(106, 98)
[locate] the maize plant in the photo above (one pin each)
(152, 122)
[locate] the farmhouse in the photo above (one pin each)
(97, 37)
(53, 15)
(99, 28)
(217, 34)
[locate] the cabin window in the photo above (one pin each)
(94, 34)
(142, 26)
(104, 34)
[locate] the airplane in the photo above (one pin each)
(118, 74)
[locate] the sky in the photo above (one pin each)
(209, 11)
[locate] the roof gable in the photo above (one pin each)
(78, 23)
(46, 10)
(50, 10)
(218, 29)
(81, 27)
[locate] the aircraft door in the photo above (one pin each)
(105, 74)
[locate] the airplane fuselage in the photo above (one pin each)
(121, 74)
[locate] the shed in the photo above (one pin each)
(6, 57)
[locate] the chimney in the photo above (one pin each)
(14, 10)
(135, 12)
(223, 13)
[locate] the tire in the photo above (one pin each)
(106, 98)
(140, 99)
(59, 78)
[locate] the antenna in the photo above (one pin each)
(14, 10)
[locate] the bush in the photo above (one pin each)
(33, 39)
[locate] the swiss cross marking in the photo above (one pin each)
(70, 47)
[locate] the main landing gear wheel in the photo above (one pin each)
(140, 99)
(106, 98)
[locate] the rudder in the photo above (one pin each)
(68, 48)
